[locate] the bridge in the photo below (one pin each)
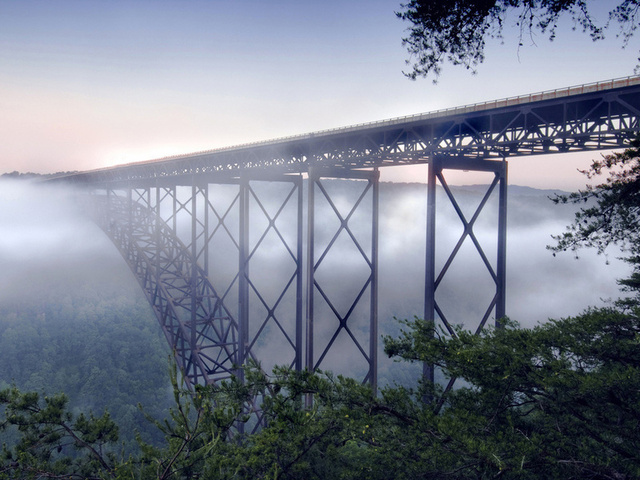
(232, 246)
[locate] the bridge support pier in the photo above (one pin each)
(354, 277)
(495, 268)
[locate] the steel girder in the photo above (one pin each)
(590, 117)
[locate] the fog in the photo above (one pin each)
(539, 285)
(48, 243)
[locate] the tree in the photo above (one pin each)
(557, 401)
(561, 400)
(49, 441)
(611, 213)
(455, 31)
(53, 443)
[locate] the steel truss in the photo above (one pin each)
(195, 322)
(495, 266)
(589, 117)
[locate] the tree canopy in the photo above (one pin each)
(610, 212)
(561, 400)
(456, 31)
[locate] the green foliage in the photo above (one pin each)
(53, 442)
(557, 401)
(195, 431)
(611, 215)
(99, 344)
(612, 212)
(455, 31)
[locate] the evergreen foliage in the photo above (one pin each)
(100, 346)
(456, 31)
(54, 443)
(557, 401)
(611, 213)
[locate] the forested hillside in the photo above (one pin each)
(73, 318)
(98, 343)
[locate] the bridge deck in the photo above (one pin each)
(600, 115)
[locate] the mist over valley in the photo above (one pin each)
(73, 318)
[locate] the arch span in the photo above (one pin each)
(197, 325)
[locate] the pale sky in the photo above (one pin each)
(88, 84)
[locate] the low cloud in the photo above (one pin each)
(47, 242)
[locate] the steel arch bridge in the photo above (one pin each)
(265, 215)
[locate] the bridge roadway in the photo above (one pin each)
(167, 219)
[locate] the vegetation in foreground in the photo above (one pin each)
(561, 400)
(456, 31)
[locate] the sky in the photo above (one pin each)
(89, 84)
